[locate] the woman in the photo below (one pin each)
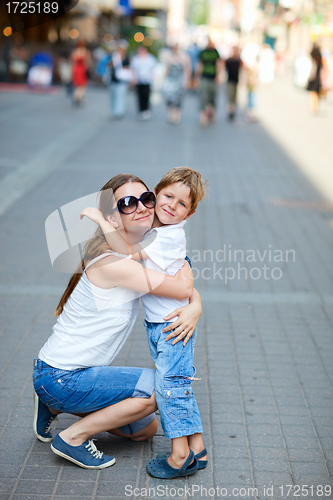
(96, 314)
(315, 79)
(80, 63)
(178, 76)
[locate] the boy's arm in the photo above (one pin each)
(113, 237)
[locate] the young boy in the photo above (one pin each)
(177, 196)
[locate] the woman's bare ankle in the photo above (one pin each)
(71, 439)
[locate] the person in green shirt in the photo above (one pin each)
(209, 70)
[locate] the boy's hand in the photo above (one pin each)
(93, 214)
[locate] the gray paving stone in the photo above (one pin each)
(72, 488)
(272, 478)
(44, 473)
(26, 486)
(232, 476)
(265, 440)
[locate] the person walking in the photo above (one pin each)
(193, 52)
(232, 66)
(177, 80)
(95, 316)
(208, 69)
(251, 85)
(121, 75)
(143, 64)
(80, 63)
(314, 81)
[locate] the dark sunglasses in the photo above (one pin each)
(129, 204)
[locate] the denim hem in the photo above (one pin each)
(178, 434)
(145, 385)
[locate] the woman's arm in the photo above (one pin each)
(112, 271)
(188, 317)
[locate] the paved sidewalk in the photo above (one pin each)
(261, 246)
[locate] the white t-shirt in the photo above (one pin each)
(93, 326)
(166, 254)
(143, 67)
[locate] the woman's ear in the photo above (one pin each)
(112, 221)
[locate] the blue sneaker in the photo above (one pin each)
(43, 421)
(86, 455)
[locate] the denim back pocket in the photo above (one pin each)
(55, 386)
(66, 381)
(179, 401)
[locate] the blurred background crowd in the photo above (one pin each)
(165, 48)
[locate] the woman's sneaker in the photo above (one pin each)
(86, 455)
(43, 421)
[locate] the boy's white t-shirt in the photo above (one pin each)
(166, 254)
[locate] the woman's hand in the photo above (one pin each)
(188, 317)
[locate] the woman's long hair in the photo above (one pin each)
(97, 243)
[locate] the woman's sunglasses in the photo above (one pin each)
(129, 204)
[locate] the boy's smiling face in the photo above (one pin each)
(173, 203)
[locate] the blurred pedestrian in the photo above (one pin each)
(80, 63)
(121, 75)
(143, 64)
(178, 74)
(193, 52)
(266, 67)
(232, 66)
(208, 69)
(315, 78)
(65, 71)
(251, 85)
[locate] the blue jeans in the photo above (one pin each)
(89, 389)
(173, 385)
(118, 92)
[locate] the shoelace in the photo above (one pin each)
(51, 424)
(93, 449)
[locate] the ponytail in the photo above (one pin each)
(70, 287)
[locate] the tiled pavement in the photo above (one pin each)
(265, 344)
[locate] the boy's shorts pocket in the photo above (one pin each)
(179, 401)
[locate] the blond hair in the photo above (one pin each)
(190, 178)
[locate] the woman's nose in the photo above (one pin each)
(141, 207)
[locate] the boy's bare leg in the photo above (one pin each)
(196, 444)
(179, 452)
(111, 417)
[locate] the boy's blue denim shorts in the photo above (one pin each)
(85, 390)
(173, 382)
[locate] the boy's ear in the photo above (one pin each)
(112, 221)
(189, 215)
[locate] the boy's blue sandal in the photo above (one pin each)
(44, 420)
(86, 455)
(202, 464)
(160, 468)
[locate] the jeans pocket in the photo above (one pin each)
(47, 399)
(178, 401)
